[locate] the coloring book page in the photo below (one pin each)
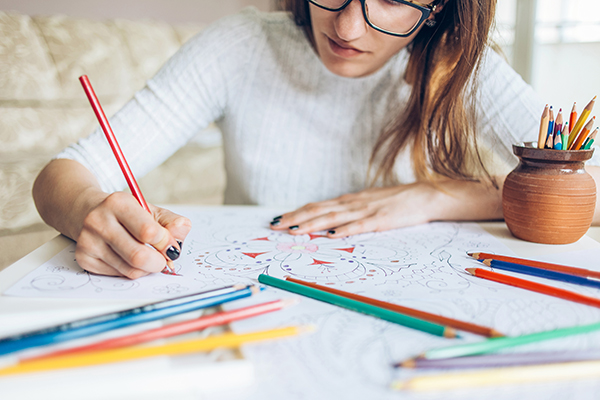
(235, 244)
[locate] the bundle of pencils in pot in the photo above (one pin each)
(549, 197)
(575, 134)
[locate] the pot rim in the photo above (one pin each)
(529, 150)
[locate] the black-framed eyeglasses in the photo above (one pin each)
(393, 17)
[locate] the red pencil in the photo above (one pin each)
(538, 264)
(534, 287)
(180, 328)
(112, 140)
(114, 145)
(438, 319)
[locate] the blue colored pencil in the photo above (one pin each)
(542, 273)
(98, 324)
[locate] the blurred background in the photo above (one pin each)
(46, 44)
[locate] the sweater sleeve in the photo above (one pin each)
(186, 95)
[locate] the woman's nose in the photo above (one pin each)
(350, 23)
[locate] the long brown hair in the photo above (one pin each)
(438, 120)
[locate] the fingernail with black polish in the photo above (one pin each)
(277, 218)
(293, 228)
(275, 222)
(173, 253)
(180, 243)
(332, 232)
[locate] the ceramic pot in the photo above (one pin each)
(549, 197)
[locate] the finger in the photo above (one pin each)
(102, 229)
(178, 226)
(142, 225)
(330, 221)
(364, 225)
(113, 266)
(310, 211)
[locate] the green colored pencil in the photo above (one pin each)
(354, 305)
(495, 344)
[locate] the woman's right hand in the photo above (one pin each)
(112, 230)
(114, 235)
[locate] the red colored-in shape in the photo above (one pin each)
(254, 255)
(349, 249)
(319, 262)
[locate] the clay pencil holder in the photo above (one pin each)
(549, 197)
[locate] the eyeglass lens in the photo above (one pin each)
(389, 15)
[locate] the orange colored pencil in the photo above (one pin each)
(581, 121)
(534, 287)
(180, 328)
(543, 128)
(538, 264)
(573, 117)
(438, 319)
(583, 135)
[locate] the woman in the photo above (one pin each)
(375, 103)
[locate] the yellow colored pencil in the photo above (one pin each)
(580, 122)
(543, 128)
(228, 340)
(583, 135)
(501, 376)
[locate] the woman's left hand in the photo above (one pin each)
(381, 209)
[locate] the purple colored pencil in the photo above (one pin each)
(503, 360)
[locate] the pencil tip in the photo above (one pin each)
(495, 334)
(471, 270)
(412, 363)
(487, 262)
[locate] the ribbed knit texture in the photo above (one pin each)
(293, 131)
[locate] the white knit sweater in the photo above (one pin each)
(293, 132)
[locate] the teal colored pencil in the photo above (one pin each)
(360, 307)
(495, 344)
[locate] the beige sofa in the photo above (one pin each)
(43, 109)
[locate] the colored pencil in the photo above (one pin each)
(116, 149)
(496, 344)
(558, 123)
(501, 376)
(543, 128)
(549, 136)
(537, 264)
(583, 134)
(534, 287)
(573, 117)
(228, 340)
(107, 322)
(590, 140)
(558, 140)
(180, 328)
(378, 312)
(542, 273)
(438, 319)
(565, 136)
(502, 360)
(580, 122)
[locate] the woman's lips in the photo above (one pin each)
(343, 51)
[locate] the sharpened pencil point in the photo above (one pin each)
(471, 271)
(487, 262)
(412, 363)
(496, 334)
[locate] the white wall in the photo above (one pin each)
(173, 11)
